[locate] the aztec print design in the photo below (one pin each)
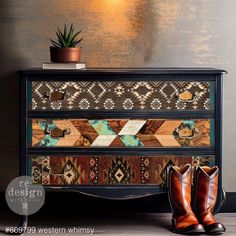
(120, 95)
(121, 133)
(108, 170)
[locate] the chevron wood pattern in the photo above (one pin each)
(121, 133)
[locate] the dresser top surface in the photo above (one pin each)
(163, 71)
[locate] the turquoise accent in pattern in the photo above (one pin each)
(44, 125)
(191, 123)
(102, 127)
(212, 95)
(211, 162)
(131, 141)
(48, 141)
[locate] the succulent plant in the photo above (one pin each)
(67, 39)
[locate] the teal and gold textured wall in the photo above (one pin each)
(117, 33)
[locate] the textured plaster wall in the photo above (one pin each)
(118, 33)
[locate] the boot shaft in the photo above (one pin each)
(206, 188)
(179, 183)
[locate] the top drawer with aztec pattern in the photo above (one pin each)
(149, 95)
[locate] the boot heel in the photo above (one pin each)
(173, 223)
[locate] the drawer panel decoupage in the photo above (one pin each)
(121, 95)
(108, 170)
(120, 133)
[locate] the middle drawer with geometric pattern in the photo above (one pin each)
(120, 133)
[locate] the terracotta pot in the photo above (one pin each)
(64, 55)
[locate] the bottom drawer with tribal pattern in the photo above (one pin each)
(108, 169)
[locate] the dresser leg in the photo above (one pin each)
(23, 222)
(20, 228)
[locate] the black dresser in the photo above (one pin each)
(113, 133)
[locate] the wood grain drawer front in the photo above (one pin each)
(108, 170)
(120, 95)
(120, 133)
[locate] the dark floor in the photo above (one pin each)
(64, 211)
(109, 224)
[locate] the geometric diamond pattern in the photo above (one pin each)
(121, 132)
(109, 169)
(119, 172)
(132, 127)
(67, 170)
(70, 173)
(122, 95)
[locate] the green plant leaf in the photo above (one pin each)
(62, 39)
(65, 30)
(77, 42)
(71, 31)
(67, 38)
(54, 43)
(58, 33)
(75, 36)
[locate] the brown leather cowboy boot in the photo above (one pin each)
(206, 187)
(183, 219)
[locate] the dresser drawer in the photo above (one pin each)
(108, 170)
(120, 133)
(121, 95)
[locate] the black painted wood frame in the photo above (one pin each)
(113, 192)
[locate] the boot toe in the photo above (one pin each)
(192, 229)
(215, 228)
